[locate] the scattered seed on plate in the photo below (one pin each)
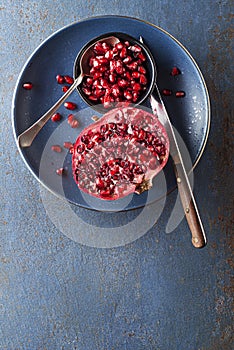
(70, 118)
(56, 117)
(180, 93)
(67, 144)
(167, 92)
(175, 71)
(70, 105)
(68, 79)
(28, 86)
(60, 79)
(56, 148)
(60, 171)
(74, 124)
(65, 88)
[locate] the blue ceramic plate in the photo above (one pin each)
(190, 115)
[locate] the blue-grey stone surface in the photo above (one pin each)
(158, 292)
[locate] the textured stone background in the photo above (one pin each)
(158, 292)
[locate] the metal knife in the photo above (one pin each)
(184, 188)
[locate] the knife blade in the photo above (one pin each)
(186, 194)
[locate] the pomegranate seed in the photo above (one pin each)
(87, 91)
(141, 57)
(122, 83)
(132, 65)
(141, 70)
(180, 93)
(175, 71)
(128, 59)
(99, 49)
(167, 92)
(135, 96)
(135, 48)
(74, 124)
(97, 75)
(136, 75)
(70, 105)
(56, 148)
(65, 88)
(67, 145)
(109, 54)
(119, 46)
(70, 118)
(112, 78)
(56, 117)
(128, 95)
(93, 98)
(60, 171)
(27, 86)
(143, 79)
(60, 79)
(136, 87)
(123, 52)
(68, 79)
(89, 81)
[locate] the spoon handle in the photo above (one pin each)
(26, 138)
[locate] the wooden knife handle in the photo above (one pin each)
(189, 206)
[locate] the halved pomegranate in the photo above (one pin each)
(120, 153)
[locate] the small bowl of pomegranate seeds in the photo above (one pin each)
(122, 72)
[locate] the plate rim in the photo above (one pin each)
(203, 146)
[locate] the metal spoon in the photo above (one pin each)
(26, 138)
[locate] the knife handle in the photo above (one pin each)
(189, 206)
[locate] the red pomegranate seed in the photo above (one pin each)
(60, 171)
(56, 148)
(128, 59)
(65, 88)
(143, 79)
(56, 117)
(67, 145)
(28, 86)
(167, 92)
(136, 87)
(123, 52)
(60, 79)
(74, 124)
(122, 83)
(70, 105)
(87, 91)
(119, 46)
(70, 118)
(175, 71)
(93, 98)
(109, 54)
(180, 93)
(89, 81)
(128, 95)
(141, 70)
(68, 79)
(135, 75)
